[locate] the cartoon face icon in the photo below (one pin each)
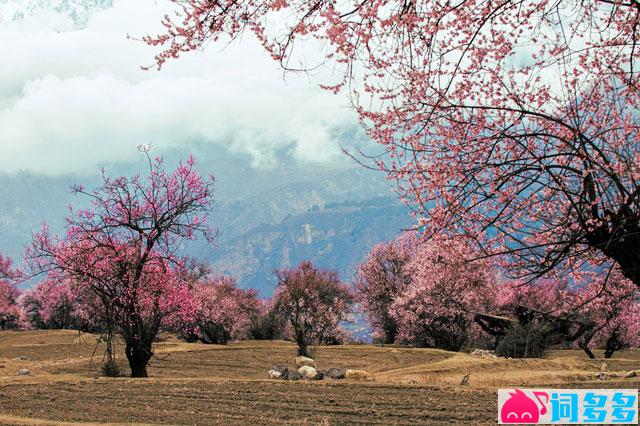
(519, 408)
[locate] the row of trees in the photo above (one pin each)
(116, 271)
(307, 307)
(423, 294)
(432, 294)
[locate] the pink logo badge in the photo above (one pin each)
(519, 408)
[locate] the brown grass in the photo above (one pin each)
(208, 384)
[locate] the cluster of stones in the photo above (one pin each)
(306, 369)
(481, 353)
(605, 374)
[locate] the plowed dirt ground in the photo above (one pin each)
(204, 384)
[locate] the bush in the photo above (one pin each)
(267, 325)
(524, 341)
(224, 312)
(110, 368)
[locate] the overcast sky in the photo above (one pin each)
(73, 96)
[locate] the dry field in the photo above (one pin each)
(203, 384)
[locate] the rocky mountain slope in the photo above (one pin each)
(267, 219)
(337, 236)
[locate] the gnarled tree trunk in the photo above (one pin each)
(138, 354)
(613, 344)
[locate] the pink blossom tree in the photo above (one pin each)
(554, 297)
(53, 305)
(10, 311)
(122, 250)
(607, 306)
(544, 314)
(612, 304)
(381, 279)
(515, 123)
(314, 302)
(223, 311)
(7, 271)
(446, 290)
(267, 324)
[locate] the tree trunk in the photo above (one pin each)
(629, 263)
(613, 344)
(390, 330)
(302, 341)
(622, 244)
(138, 355)
(584, 343)
(215, 334)
(303, 347)
(303, 350)
(586, 349)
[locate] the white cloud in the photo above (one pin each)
(74, 99)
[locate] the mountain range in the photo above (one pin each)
(266, 218)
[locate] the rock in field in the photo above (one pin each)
(273, 374)
(630, 374)
(302, 361)
(281, 368)
(24, 372)
(356, 374)
(307, 372)
(293, 375)
(335, 373)
(278, 371)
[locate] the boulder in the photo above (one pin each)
(630, 374)
(603, 375)
(307, 372)
(24, 372)
(302, 361)
(293, 375)
(335, 373)
(281, 368)
(278, 371)
(356, 375)
(273, 374)
(321, 374)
